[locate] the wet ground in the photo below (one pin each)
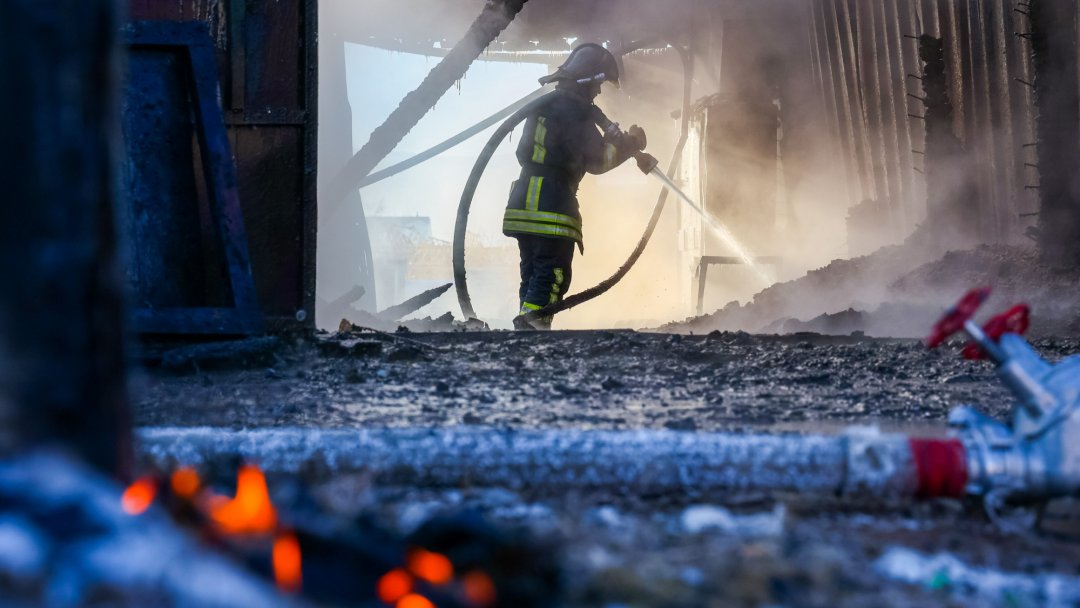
(672, 550)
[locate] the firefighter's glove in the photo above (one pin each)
(636, 138)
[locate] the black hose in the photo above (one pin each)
(439, 148)
(470, 189)
(465, 205)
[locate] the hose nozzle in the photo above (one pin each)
(646, 162)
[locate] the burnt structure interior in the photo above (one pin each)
(176, 169)
(953, 120)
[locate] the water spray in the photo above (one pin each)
(718, 228)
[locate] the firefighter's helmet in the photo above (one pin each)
(587, 63)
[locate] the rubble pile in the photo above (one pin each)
(898, 290)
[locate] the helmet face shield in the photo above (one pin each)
(587, 63)
(601, 77)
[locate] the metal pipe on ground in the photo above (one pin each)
(642, 462)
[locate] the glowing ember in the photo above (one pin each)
(479, 589)
(414, 601)
(286, 558)
(185, 482)
(251, 512)
(431, 567)
(139, 496)
(394, 585)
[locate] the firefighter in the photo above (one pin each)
(560, 144)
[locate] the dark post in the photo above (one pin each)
(62, 374)
(1057, 94)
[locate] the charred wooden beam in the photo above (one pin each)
(497, 14)
(1057, 93)
(413, 304)
(61, 344)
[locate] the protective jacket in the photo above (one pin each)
(560, 144)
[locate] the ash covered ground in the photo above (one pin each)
(620, 550)
(900, 289)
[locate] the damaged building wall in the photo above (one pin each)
(1057, 85)
(925, 108)
(267, 59)
(869, 53)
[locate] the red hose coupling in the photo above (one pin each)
(940, 467)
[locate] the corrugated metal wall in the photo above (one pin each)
(868, 69)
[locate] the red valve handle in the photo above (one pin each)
(954, 319)
(1016, 320)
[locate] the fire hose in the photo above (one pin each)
(645, 162)
(1033, 459)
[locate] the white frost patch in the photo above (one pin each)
(944, 570)
(699, 518)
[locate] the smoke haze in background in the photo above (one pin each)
(763, 58)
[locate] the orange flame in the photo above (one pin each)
(185, 482)
(251, 512)
(431, 567)
(394, 585)
(138, 497)
(414, 600)
(479, 589)
(286, 558)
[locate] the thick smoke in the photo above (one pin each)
(748, 65)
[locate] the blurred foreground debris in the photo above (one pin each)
(61, 335)
(987, 586)
(67, 539)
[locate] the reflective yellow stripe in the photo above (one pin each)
(556, 287)
(526, 308)
(610, 153)
(542, 229)
(532, 200)
(543, 217)
(539, 151)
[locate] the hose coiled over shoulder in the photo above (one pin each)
(465, 205)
